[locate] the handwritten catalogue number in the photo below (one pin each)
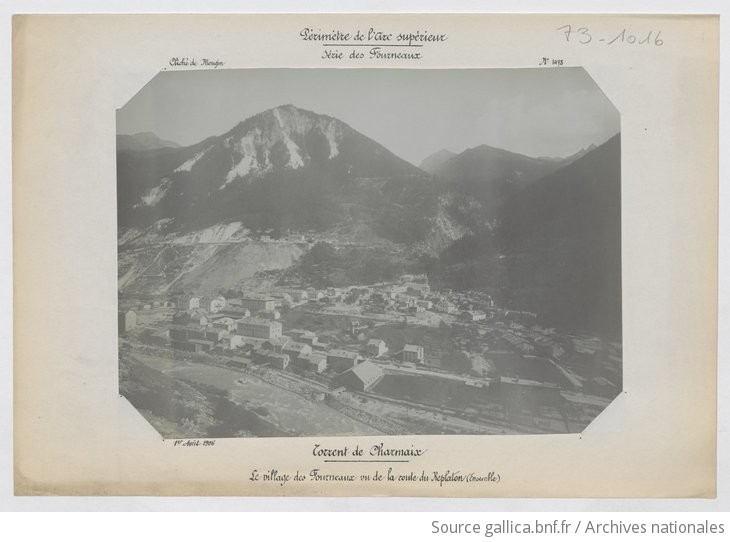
(583, 36)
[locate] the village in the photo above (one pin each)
(395, 356)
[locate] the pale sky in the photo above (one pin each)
(413, 113)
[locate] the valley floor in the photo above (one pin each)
(482, 377)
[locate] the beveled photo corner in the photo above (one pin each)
(323, 252)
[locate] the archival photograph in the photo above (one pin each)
(331, 252)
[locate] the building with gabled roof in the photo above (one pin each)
(195, 346)
(314, 361)
(258, 302)
(295, 349)
(376, 347)
(231, 342)
(262, 355)
(236, 312)
(303, 336)
(361, 377)
(199, 317)
(342, 360)
(413, 353)
(225, 323)
(259, 328)
(277, 344)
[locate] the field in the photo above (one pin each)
(530, 368)
(430, 391)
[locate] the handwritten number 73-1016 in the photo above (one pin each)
(583, 36)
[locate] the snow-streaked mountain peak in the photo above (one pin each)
(278, 138)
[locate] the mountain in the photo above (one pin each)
(433, 162)
(487, 164)
(555, 249)
(285, 168)
(142, 141)
(565, 160)
(582, 198)
(537, 234)
(491, 175)
(563, 238)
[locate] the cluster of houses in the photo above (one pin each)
(410, 295)
(407, 297)
(251, 324)
(413, 295)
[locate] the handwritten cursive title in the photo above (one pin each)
(371, 43)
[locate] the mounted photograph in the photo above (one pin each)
(333, 252)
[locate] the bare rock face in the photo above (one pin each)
(264, 172)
